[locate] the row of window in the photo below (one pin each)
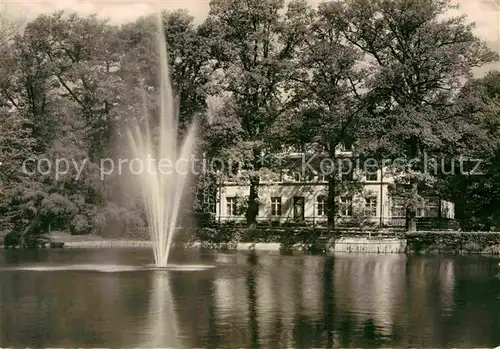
(321, 207)
(370, 207)
(370, 176)
(430, 209)
(346, 173)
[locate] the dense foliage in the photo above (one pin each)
(392, 77)
(453, 242)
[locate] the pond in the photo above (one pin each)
(247, 300)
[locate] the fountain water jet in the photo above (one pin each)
(162, 190)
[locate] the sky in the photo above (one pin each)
(486, 13)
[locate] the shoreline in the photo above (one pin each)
(358, 245)
(424, 243)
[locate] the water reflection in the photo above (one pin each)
(328, 300)
(161, 329)
(255, 300)
(252, 303)
(447, 278)
(17, 257)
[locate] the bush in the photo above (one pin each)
(80, 225)
(230, 233)
(15, 240)
(204, 219)
(454, 242)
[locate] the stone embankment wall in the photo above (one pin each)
(370, 245)
(425, 243)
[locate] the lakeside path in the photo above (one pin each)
(108, 244)
(147, 244)
(94, 241)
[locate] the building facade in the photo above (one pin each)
(293, 197)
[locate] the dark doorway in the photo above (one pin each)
(298, 208)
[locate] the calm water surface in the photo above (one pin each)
(259, 301)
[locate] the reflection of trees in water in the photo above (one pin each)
(370, 334)
(252, 302)
(307, 332)
(335, 327)
(496, 326)
(162, 325)
(328, 301)
(64, 309)
(447, 301)
(302, 333)
(196, 308)
(334, 323)
(475, 312)
(17, 256)
(213, 337)
(270, 300)
(310, 333)
(277, 327)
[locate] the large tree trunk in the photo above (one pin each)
(411, 220)
(253, 202)
(33, 224)
(331, 207)
(411, 210)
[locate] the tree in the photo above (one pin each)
(16, 144)
(68, 86)
(476, 191)
(26, 127)
(10, 26)
(254, 43)
(328, 81)
(190, 70)
(420, 59)
(60, 88)
(188, 52)
(83, 55)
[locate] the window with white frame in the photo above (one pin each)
(309, 176)
(347, 170)
(345, 147)
(276, 206)
(420, 211)
(371, 206)
(321, 205)
(346, 206)
(231, 206)
(371, 173)
(398, 209)
(431, 208)
(348, 146)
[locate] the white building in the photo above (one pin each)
(291, 197)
